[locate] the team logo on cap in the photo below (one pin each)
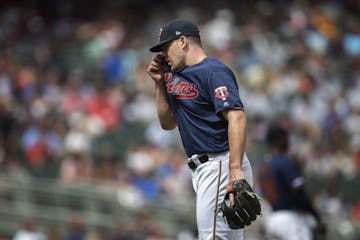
(221, 92)
(161, 29)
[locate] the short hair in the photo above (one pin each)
(196, 40)
(275, 134)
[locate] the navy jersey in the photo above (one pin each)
(279, 180)
(198, 94)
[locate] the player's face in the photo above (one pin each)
(173, 54)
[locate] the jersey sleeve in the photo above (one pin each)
(224, 91)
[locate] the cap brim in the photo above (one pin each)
(158, 47)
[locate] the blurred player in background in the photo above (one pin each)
(283, 186)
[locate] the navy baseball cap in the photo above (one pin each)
(173, 30)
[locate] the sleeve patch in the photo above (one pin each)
(221, 93)
(297, 182)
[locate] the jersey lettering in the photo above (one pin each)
(182, 90)
(167, 77)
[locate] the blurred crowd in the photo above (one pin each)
(77, 105)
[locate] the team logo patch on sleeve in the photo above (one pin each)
(221, 92)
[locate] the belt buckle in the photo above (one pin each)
(194, 160)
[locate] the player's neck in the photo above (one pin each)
(195, 56)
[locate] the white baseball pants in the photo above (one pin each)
(288, 225)
(210, 180)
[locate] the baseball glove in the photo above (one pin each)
(246, 205)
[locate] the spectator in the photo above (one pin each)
(28, 232)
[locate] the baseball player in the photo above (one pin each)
(283, 187)
(199, 95)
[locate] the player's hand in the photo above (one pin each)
(155, 69)
(229, 191)
(235, 174)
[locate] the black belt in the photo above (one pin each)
(202, 159)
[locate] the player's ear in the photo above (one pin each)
(184, 42)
